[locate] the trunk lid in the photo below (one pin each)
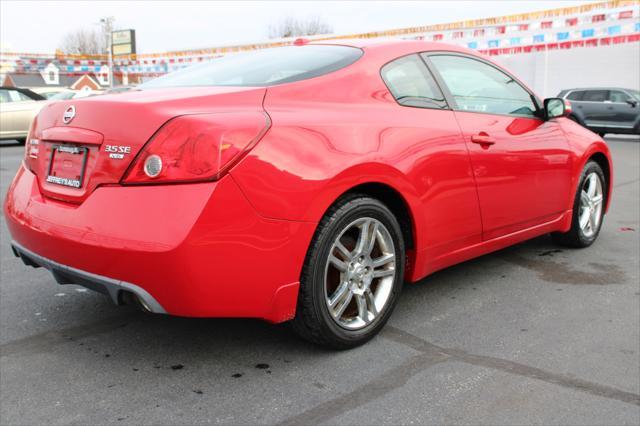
(92, 141)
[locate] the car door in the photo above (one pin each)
(521, 163)
(595, 112)
(624, 109)
(12, 112)
(427, 144)
(6, 113)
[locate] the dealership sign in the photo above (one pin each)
(123, 42)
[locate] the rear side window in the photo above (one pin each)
(575, 96)
(480, 87)
(266, 67)
(595, 96)
(411, 83)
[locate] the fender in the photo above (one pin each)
(598, 147)
(586, 144)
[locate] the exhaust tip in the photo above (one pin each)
(130, 298)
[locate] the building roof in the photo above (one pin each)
(36, 80)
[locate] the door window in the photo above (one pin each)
(411, 83)
(479, 87)
(618, 96)
(4, 96)
(595, 95)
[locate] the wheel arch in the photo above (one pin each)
(603, 161)
(394, 200)
(400, 199)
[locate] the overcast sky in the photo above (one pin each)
(39, 26)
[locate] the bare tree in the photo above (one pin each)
(293, 27)
(84, 41)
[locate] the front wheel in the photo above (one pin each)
(588, 208)
(352, 275)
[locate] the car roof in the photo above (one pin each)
(595, 88)
(394, 45)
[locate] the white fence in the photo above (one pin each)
(549, 72)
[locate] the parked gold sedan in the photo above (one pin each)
(18, 107)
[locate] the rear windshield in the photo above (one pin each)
(265, 67)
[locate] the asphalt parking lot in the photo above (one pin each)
(534, 334)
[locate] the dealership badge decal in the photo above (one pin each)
(68, 115)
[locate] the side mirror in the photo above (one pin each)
(632, 102)
(556, 107)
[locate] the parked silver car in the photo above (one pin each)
(17, 109)
(605, 109)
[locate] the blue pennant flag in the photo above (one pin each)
(588, 33)
(616, 29)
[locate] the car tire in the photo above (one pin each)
(333, 290)
(588, 209)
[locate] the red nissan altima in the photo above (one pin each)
(303, 183)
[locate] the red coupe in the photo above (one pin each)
(304, 183)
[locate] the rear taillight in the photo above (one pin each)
(31, 148)
(567, 107)
(199, 147)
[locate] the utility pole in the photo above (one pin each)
(107, 29)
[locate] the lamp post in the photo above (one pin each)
(107, 28)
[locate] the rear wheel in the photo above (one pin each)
(352, 274)
(588, 208)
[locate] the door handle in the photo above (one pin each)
(483, 139)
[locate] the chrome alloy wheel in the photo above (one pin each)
(591, 198)
(360, 273)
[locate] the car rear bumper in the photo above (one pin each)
(190, 250)
(67, 275)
